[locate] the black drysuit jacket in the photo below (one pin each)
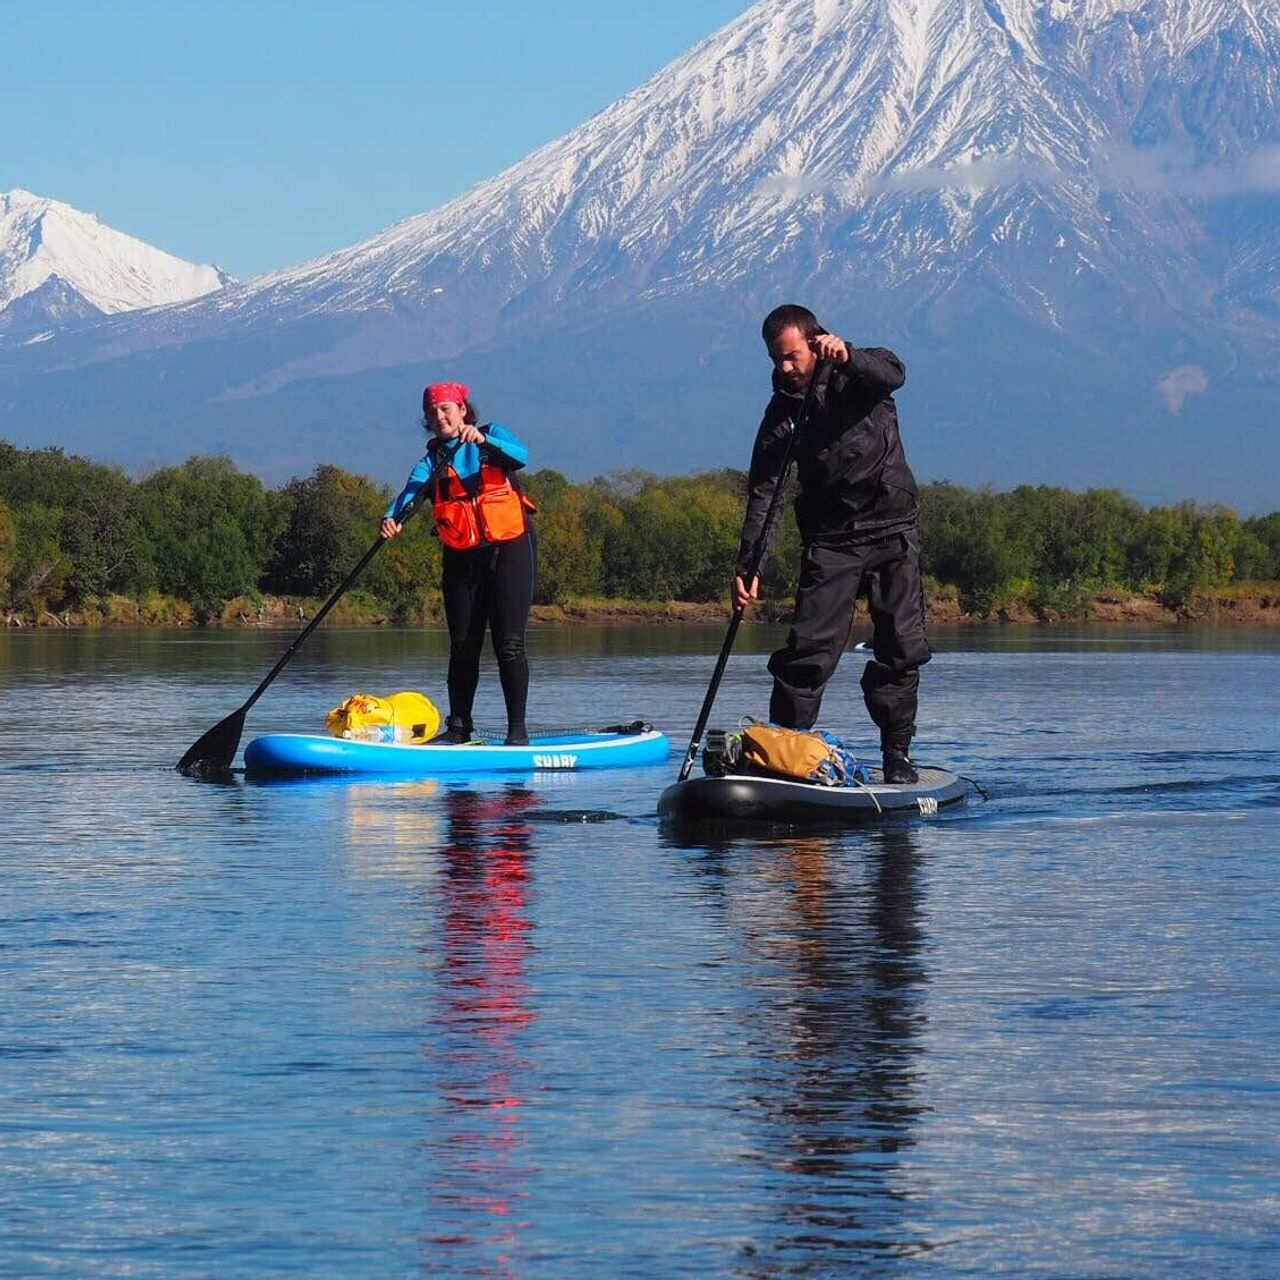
(855, 485)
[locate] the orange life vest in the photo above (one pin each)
(496, 513)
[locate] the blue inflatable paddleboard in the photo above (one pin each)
(283, 754)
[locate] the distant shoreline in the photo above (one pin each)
(1230, 608)
(1248, 605)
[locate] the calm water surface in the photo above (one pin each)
(509, 1028)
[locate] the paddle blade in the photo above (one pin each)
(214, 752)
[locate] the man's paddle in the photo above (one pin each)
(757, 556)
(213, 753)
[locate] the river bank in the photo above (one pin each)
(1247, 604)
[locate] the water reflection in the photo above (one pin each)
(479, 1155)
(833, 929)
(389, 824)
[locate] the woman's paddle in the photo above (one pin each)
(213, 753)
(757, 556)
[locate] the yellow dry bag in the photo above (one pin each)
(403, 717)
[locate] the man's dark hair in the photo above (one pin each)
(790, 316)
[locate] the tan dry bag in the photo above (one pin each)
(792, 753)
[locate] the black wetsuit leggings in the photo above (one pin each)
(489, 587)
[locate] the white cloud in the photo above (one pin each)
(981, 174)
(796, 186)
(1162, 169)
(1174, 170)
(1176, 385)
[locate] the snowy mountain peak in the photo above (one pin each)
(811, 125)
(57, 263)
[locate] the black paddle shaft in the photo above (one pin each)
(753, 569)
(214, 752)
(341, 591)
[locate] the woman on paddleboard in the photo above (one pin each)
(482, 519)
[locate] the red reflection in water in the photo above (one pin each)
(479, 1163)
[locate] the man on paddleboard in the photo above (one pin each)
(858, 511)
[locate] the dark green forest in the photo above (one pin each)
(82, 542)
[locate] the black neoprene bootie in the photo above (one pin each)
(898, 768)
(517, 736)
(456, 732)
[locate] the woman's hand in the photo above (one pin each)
(470, 434)
(389, 527)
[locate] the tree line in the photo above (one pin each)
(204, 541)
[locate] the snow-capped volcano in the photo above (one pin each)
(57, 263)
(1062, 213)
(885, 141)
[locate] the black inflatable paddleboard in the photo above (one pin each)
(751, 799)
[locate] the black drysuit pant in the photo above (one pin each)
(491, 587)
(887, 572)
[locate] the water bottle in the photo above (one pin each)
(377, 733)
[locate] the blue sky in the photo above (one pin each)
(256, 135)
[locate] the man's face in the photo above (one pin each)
(793, 358)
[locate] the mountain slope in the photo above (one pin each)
(1062, 214)
(58, 264)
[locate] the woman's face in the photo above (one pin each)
(446, 419)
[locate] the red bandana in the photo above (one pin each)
(441, 392)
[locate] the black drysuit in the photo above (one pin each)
(858, 511)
